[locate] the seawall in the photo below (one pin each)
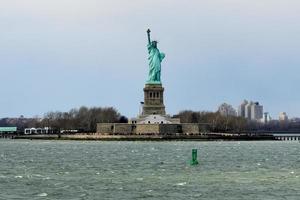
(95, 136)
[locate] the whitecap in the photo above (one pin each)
(139, 179)
(42, 194)
(258, 164)
(38, 175)
(97, 173)
(292, 172)
(18, 176)
(181, 184)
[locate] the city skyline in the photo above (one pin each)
(58, 55)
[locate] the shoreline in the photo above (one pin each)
(101, 137)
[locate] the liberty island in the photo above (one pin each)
(151, 123)
(153, 119)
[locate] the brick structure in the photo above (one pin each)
(153, 100)
(151, 129)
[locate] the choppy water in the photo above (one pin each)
(149, 170)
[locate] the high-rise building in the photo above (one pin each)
(241, 108)
(256, 111)
(250, 110)
(226, 110)
(283, 116)
(266, 118)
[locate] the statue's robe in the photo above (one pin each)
(155, 58)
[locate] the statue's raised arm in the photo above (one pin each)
(148, 33)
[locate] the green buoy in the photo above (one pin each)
(194, 160)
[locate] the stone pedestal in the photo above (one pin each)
(153, 100)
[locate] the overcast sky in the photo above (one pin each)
(60, 54)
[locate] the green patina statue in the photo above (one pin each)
(155, 58)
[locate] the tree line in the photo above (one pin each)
(216, 122)
(83, 119)
(220, 123)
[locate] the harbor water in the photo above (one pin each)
(265, 170)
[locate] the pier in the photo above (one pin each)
(287, 137)
(8, 132)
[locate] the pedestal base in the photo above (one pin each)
(153, 100)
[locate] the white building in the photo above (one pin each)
(248, 110)
(266, 118)
(226, 110)
(283, 117)
(256, 111)
(241, 109)
(251, 110)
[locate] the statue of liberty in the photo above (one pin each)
(155, 58)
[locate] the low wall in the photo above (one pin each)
(97, 136)
(168, 129)
(124, 129)
(190, 128)
(152, 129)
(107, 128)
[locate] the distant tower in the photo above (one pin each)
(266, 117)
(248, 110)
(283, 117)
(256, 111)
(251, 110)
(241, 109)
